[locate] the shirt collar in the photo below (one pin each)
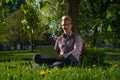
(69, 34)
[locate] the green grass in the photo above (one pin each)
(113, 57)
(16, 65)
(21, 70)
(15, 55)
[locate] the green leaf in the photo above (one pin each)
(49, 20)
(0, 3)
(108, 15)
(41, 4)
(26, 27)
(7, 1)
(14, 1)
(44, 5)
(109, 28)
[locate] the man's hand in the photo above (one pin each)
(60, 56)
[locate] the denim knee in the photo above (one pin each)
(71, 60)
(37, 58)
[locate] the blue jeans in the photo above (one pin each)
(69, 60)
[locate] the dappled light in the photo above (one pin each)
(28, 25)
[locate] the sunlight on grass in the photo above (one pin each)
(14, 67)
(21, 70)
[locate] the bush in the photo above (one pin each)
(92, 56)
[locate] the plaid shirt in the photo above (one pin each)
(70, 44)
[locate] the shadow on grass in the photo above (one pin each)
(113, 57)
(15, 52)
(6, 56)
(14, 58)
(113, 50)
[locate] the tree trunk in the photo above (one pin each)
(72, 9)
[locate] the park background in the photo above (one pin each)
(26, 25)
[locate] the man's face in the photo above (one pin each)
(66, 26)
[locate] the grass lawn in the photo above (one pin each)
(113, 57)
(16, 65)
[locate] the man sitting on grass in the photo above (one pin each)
(68, 46)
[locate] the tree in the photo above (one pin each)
(113, 18)
(72, 9)
(96, 21)
(4, 12)
(14, 28)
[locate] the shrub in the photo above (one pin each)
(92, 56)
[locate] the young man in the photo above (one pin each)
(68, 45)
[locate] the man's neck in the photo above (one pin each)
(68, 33)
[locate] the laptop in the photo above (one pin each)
(48, 52)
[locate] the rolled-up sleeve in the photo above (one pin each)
(56, 47)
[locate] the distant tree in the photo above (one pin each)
(14, 28)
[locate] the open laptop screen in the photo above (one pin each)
(47, 52)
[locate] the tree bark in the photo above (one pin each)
(72, 9)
